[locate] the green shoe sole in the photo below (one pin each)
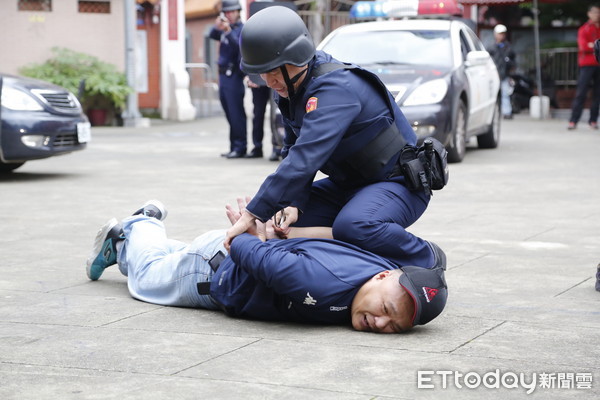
(104, 253)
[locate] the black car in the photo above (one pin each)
(442, 78)
(39, 120)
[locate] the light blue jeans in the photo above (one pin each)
(506, 90)
(165, 271)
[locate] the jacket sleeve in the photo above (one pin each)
(233, 36)
(287, 271)
(215, 33)
(321, 131)
(584, 38)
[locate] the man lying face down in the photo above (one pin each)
(302, 280)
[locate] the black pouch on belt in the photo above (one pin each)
(426, 167)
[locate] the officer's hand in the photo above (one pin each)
(222, 25)
(283, 219)
(270, 230)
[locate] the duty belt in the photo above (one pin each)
(214, 262)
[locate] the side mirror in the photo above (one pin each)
(479, 57)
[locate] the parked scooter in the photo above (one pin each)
(522, 92)
(524, 88)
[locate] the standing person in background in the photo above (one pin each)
(504, 58)
(596, 52)
(260, 97)
(589, 71)
(227, 29)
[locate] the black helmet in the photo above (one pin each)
(272, 37)
(230, 5)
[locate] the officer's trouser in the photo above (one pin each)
(231, 94)
(373, 218)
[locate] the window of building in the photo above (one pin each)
(94, 7)
(34, 5)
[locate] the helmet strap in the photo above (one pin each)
(290, 82)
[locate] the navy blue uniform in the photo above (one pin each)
(331, 117)
(302, 280)
(231, 85)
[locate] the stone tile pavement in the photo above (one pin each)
(520, 225)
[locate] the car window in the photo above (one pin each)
(392, 47)
(475, 40)
(465, 47)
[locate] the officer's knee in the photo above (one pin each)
(356, 232)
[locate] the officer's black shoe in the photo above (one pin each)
(234, 154)
(275, 156)
(255, 153)
(439, 257)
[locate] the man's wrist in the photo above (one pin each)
(252, 215)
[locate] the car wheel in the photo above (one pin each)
(9, 167)
(491, 138)
(458, 145)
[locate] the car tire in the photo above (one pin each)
(9, 167)
(491, 138)
(458, 144)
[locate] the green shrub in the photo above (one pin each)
(104, 84)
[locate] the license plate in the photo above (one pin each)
(84, 132)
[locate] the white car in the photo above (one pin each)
(444, 81)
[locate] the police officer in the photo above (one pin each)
(505, 59)
(231, 79)
(342, 121)
(260, 98)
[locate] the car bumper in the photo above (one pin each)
(34, 135)
(434, 120)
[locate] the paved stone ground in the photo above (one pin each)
(520, 225)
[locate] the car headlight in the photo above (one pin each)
(428, 93)
(20, 101)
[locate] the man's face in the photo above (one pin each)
(383, 305)
(232, 16)
(594, 15)
(275, 81)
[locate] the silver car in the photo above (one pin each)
(439, 72)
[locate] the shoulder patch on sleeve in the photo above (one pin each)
(311, 104)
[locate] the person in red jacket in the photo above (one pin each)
(589, 69)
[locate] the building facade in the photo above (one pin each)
(31, 28)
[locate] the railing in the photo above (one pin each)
(203, 91)
(558, 65)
